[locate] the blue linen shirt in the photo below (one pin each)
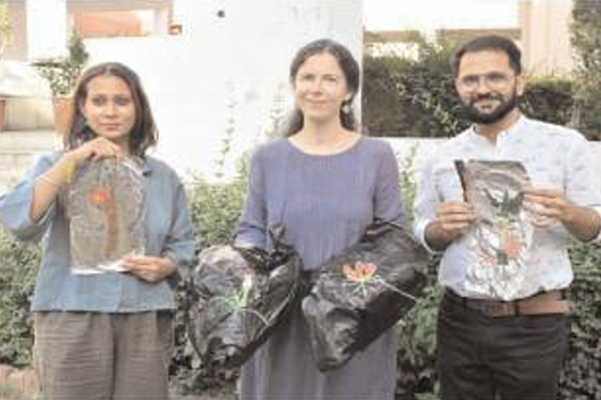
(168, 229)
(553, 156)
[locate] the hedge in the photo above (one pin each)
(18, 267)
(215, 210)
(415, 97)
(402, 97)
(586, 41)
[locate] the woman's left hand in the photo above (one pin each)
(149, 269)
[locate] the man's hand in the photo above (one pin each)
(547, 206)
(453, 219)
(550, 205)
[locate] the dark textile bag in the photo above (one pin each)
(237, 297)
(362, 292)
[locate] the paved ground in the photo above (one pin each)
(17, 383)
(21, 384)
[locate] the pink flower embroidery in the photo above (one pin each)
(365, 279)
(512, 247)
(360, 272)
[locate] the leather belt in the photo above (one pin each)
(551, 302)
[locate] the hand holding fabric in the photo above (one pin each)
(549, 205)
(95, 150)
(149, 269)
(452, 220)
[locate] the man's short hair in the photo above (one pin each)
(489, 42)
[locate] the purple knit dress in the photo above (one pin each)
(325, 202)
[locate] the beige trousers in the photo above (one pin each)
(86, 355)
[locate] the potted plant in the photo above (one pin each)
(62, 75)
(5, 41)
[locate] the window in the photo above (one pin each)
(120, 19)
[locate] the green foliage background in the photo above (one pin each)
(62, 74)
(215, 210)
(411, 97)
(586, 40)
(415, 96)
(18, 267)
(404, 96)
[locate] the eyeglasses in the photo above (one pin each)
(493, 80)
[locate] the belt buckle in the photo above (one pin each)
(498, 309)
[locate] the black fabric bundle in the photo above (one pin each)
(236, 298)
(362, 292)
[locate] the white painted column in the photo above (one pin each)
(161, 20)
(47, 28)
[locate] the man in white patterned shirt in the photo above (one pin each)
(494, 345)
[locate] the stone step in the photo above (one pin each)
(18, 383)
(19, 149)
(28, 113)
(28, 141)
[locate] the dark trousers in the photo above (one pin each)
(508, 358)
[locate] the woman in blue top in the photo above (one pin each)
(109, 335)
(326, 183)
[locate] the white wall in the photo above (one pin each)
(19, 149)
(46, 22)
(226, 68)
(545, 38)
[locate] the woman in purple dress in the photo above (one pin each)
(326, 183)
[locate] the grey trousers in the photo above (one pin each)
(86, 355)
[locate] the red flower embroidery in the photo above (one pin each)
(360, 272)
(99, 196)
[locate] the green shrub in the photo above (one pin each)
(416, 355)
(581, 376)
(62, 73)
(415, 96)
(411, 96)
(586, 40)
(18, 269)
(549, 99)
(215, 209)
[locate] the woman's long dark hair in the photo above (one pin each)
(144, 132)
(350, 69)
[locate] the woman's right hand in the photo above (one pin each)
(95, 150)
(50, 182)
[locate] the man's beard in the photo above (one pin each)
(472, 113)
